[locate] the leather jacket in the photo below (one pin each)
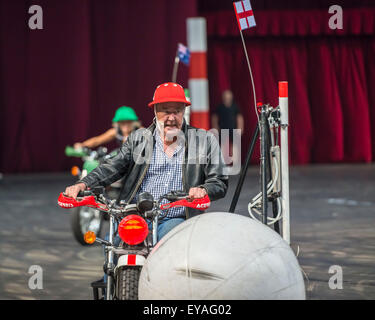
(203, 164)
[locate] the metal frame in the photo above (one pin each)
(263, 129)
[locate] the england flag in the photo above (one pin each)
(244, 14)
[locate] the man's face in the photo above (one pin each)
(126, 126)
(227, 97)
(170, 116)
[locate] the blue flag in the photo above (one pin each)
(183, 54)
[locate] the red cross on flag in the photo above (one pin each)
(244, 13)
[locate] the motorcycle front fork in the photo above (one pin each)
(155, 230)
(110, 266)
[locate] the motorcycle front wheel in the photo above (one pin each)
(127, 283)
(85, 219)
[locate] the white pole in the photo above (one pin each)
(284, 122)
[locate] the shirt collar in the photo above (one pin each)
(161, 144)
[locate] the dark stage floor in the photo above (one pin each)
(333, 223)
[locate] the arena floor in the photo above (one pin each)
(332, 223)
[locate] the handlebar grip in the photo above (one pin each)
(71, 152)
(176, 195)
(95, 191)
(84, 193)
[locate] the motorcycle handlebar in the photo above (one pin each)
(175, 195)
(92, 192)
(100, 201)
(71, 152)
(84, 193)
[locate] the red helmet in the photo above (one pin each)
(169, 92)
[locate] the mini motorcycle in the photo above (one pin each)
(87, 218)
(124, 260)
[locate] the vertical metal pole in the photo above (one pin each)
(263, 161)
(270, 144)
(244, 170)
(251, 76)
(155, 230)
(175, 67)
(284, 122)
(110, 259)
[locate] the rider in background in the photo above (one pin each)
(124, 122)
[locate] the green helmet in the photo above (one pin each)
(125, 113)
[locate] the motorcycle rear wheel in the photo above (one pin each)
(127, 283)
(85, 219)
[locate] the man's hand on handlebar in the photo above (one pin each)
(197, 193)
(78, 146)
(73, 190)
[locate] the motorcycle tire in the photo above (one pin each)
(127, 283)
(79, 230)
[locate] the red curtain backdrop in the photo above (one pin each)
(62, 84)
(330, 74)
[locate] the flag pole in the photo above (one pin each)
(262, 129)
(251, 75)
(175, 67)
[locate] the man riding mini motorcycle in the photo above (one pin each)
(168, 155)
(124, 122)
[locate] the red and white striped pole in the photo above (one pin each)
(198, 83)
(284, 153)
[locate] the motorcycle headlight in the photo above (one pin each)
(133, 229)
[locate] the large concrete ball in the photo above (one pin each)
(221, 255)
